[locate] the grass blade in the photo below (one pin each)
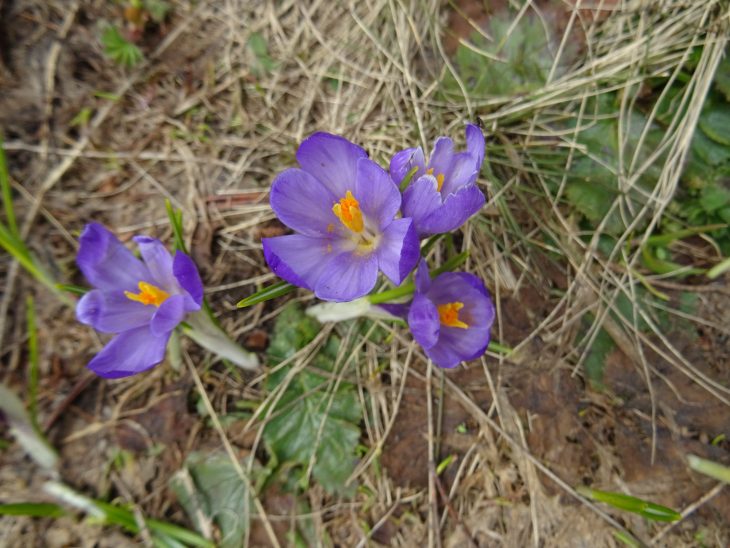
(266, 294)
(628, 503)
(709, 468)
(7, 192)
(176, 216)
(33, 365)
(32, 509)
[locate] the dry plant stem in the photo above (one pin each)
(689, 510)
(478, 414)
(229, 450)
(364, 540)
(457, 519)
(50, 76)
(434, 532)
(144, 531)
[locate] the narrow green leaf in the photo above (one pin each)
(7, 192)
(162, 532)
(444, 464)
(119, 49)
(25, 433)
(719, 269)
(666, 239)
(407, 179)
(33, 362)
(626, 539)
(176, 222)
(267, 293)
(408, 288)
(628, 503)
(73, 289)
(32, 509)
(709, 468)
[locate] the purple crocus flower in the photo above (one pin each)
(450, 316)
(141, 301)
(342, 206)
(444, 193)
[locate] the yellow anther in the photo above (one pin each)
(148, 294)
(348, 212)
(449, 314)
(439, 178)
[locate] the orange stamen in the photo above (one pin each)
(148, 294)
(449, 315)
(439, 178)
(348, 212)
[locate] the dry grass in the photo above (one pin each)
(196, 124)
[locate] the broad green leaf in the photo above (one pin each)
(707, 150)
(722, 76)
(516, 60)
(595, 361)
(210, 490)
(309, 420)
(715, 122)
(714, 197)
(260, 49)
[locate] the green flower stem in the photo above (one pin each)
(406, 289)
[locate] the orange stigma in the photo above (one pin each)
(449, 314)
(348, 212)
(439, 178)
(148, 294)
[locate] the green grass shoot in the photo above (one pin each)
(644, 508)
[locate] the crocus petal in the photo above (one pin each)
(106, 263)
(399, 310)
(457, 345)
(420, 199)
(444, 355)
(302, 203)
(423, 319)
(112, 311)
(332, 160)
(422, 278)
(475, 143)
(404, 161)
(455, 211)
(168, 315)
(128, 353)
(442, 156)
(188, 277)
(298, 259)
(347, 277)
(464, 171)
(478, 309)
(158, 261)
(399, 250)
(378, 196)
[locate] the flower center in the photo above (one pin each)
(439, 178)
(148, 294)
(348, 212)
(449, 314)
